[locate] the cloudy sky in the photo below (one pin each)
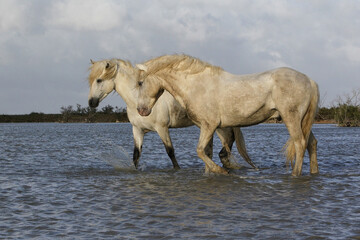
(46, 46)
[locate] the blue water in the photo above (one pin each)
(76, 181)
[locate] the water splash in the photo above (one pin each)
(118, 158)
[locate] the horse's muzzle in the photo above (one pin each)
(143, 111)
(93, 102)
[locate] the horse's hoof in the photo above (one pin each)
(221, 170)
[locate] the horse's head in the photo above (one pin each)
(149, 91)
(101, 80)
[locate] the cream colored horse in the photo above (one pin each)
(215, 98)
(115, 74)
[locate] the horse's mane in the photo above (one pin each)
(179, 63)
(96, 69)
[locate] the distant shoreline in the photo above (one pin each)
(93, 118)
(64, 118)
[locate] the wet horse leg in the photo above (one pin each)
(209, 151)
(165, 137)
(138, 135)
(206, 134)
(312, 148)
(209, 148)
(297, 137)
(227, 139)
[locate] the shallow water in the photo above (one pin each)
(76, 181)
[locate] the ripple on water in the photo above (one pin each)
(72, 181)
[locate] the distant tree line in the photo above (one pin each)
(108, 109)
(347, 109)
(107, 113)
(345, 112)
(71, 114)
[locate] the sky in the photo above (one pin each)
(46, 46)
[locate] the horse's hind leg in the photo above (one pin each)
(227, 139)
(165, 137)
(138, 135)
(298, 139)
(312, 148)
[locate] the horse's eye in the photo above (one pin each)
(140, 83)
(98, 80)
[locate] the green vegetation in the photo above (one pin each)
(347, 110)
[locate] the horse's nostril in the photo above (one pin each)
(93, 102)
(139, 110)
(143, 111)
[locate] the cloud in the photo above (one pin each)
(46, 45)
(86, 15)
(13, 15)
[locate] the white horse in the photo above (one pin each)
(115, 74)
(215, 98)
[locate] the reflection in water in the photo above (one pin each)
(74, 181)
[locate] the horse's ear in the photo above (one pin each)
(92, 61)
(141, 67)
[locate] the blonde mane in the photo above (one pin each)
(179, 63)
(97, 69)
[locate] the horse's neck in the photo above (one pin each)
(124, 86)
(175, 87)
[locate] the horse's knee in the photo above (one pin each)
(200, 151)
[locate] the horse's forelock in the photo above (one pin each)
(97, 70)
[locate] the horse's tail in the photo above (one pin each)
(240, 145)
(306, 123)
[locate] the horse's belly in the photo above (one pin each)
(180, 119)
(247, 119)
(178, 116)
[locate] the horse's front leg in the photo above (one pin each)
(138, 135)
(206, 134)
(165, 137)
(209, 148)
